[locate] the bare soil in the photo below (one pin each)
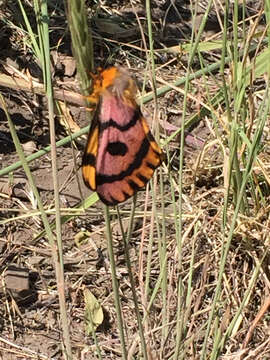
(29, 315)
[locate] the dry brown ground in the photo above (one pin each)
(30, 321)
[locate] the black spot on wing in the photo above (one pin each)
(103, 178)
(89, 159)
(117, 148)
(150, 136)
(142, 178)
(151, 166)
(114, 124)
(133, 185)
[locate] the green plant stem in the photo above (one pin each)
(115, 282)
(126, 239)
(43, 29)
(44, 151)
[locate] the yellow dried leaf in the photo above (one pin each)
(93, 312)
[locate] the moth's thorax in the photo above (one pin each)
(116, 82)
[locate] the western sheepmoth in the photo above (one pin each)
(121, 154)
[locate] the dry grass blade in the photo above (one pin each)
(199, 248)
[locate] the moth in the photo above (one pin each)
(121, 154)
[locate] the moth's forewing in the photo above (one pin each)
(121, 154)
(90, 156)
(127, 152)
